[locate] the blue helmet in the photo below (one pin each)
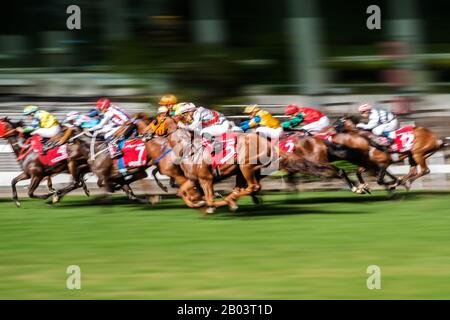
(93, 113)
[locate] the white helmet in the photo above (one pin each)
(185, 107)
(364, 107)
(162, 109)
(72, 116)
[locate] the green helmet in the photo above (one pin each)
(30, 110)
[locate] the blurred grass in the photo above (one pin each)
(294, 246)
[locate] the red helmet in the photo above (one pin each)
(291, 109)
(103, 104)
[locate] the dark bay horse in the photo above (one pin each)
(425, 144)
(313, 156)
(32, 167)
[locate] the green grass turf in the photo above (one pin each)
(294, 246)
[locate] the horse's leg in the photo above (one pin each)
(424, 170)
(183, 192)
(363, 186)
(20, 177)
(163, 187)
(208, 190)
(340, 173)
(412, 170)
(50, 184)
(35, 181)
(74, 184)
(253, 186)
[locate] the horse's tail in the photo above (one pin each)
(443, 142)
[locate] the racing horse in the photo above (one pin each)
(32, 166)
(97, 153)
(424, 145)
(161, 155)
(294, 148)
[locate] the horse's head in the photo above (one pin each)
(345, 124)
(7, 127)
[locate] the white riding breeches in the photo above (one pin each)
(270, 132)
(216, 130)
(386, 127)
(47, 132)
(317, 126)
(108, 130)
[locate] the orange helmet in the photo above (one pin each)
(168, 99)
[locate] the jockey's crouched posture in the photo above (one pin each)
(381, 122)
(158, 126)
(205, 122)
(76, 119)
(305, 119)
(265, 123)
(43, 123)
(113, 118)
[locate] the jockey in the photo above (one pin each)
(43, 123)
(75, 119)
(267, 125)
(169, 101)
(381, 122)
(206, 122)
(312, 120)
(113, 118)
(158, 125)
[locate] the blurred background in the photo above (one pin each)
(225, 54)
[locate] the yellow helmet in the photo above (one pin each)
(168, 99)
(251, 108)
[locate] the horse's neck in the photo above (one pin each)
(15, 145)
(171, 125)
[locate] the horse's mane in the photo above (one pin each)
(142, 116)
(353, 118)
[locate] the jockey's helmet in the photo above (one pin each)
(251, 108)
(72, 116)
(364, 107)
(185, 107)
(168, 99)
(291, 109)
(28, 110)
(163, 109)
(103, 104)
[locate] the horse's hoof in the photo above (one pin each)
(354, 189)
(55, 199)
(218, 195)
(201, 203)
(407, 185)
(233, 207)
(210, 210)
(155, 199)
(18, 204)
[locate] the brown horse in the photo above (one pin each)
(253, 153)
(425, 144)
(98, 156)
(161, 155)
(33, 168)
(313, 156)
